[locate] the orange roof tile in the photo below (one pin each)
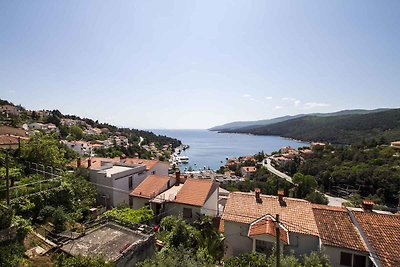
(151, 186)
(12, 131)
(149, 163)
(196, 191)
(295, 214)
(266, 226)
(249, 169)
(337, 229)
(10, 139)
(383, 234)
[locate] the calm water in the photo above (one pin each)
(210, 149)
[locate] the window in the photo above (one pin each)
(154, 172)
(345, 259)
(264, 247)
(187, 213)
(359, 261)
(130, 201)
(130, 182)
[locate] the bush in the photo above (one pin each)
(11, 254)
(129, 215)
(78, 261)
(23, 226)
(6, 215)
(59, 219)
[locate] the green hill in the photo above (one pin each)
(232, 126)
(342, 129)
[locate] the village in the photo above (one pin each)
(245, 221)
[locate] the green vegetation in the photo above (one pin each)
(358, 171)
(129, 215)
(257, 260)
(197, 244)
(47, 150)
(343, 129)
(63, 260)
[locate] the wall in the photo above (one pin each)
(334, 255)
(301, 244)
(236, 240)
(176, 209)
(139, 202)
(210, 208)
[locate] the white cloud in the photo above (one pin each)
(297, 103)
(288, 99)
(268, 97)
(311, 105)
(278, 107)
(246, 95)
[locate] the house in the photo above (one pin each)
(395, 144)
(7, 130)
(245, 213)
(381, 234)
(114, 182)
(81, 147)
(151, 186)
(340, 239)
(154, 167)
(248, 171)
(9, 110)
(195, 197)
(116, 244)
(317, 146)
(10, 141)
(307, 153)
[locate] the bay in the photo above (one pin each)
(210, 149)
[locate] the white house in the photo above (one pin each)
(244, 212)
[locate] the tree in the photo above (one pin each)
(306, 184)
(59, 218)
(43, 149)
(317, 198)
(76, 132)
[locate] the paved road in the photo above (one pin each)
(333, 201)
(141, 140)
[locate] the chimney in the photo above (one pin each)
(281, 194)
(78, 162)
(178, 176)
(89, 163)
(367, 205)
(257, 192)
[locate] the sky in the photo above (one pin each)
(197, 64)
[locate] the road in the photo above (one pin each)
(333, 201)
(141, 140)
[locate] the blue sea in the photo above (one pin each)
(211, 149)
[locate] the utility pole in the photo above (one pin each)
(278, 245)
(7, 180)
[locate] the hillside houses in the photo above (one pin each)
(349, 237)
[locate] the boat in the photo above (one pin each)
(183, 159)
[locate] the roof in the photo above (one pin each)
(249, 169)
(13, 131)
(149, 163)
(196, 191)
(151, 186)
(383, 234)
(295, 214)
(108, 241)
(10, 139)
(266, 226)
(116, 169)
(337, 229)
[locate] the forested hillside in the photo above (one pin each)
(344, 129)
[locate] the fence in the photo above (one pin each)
(51, 175)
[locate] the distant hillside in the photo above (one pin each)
(340, 129)
(248, 124)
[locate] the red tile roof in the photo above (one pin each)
(149, 163)
(151, 186)
(266, 226)
(249, 169)
(196, 191)
(12, 131)
(383, 234)
(295, 214)
(337, 229)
